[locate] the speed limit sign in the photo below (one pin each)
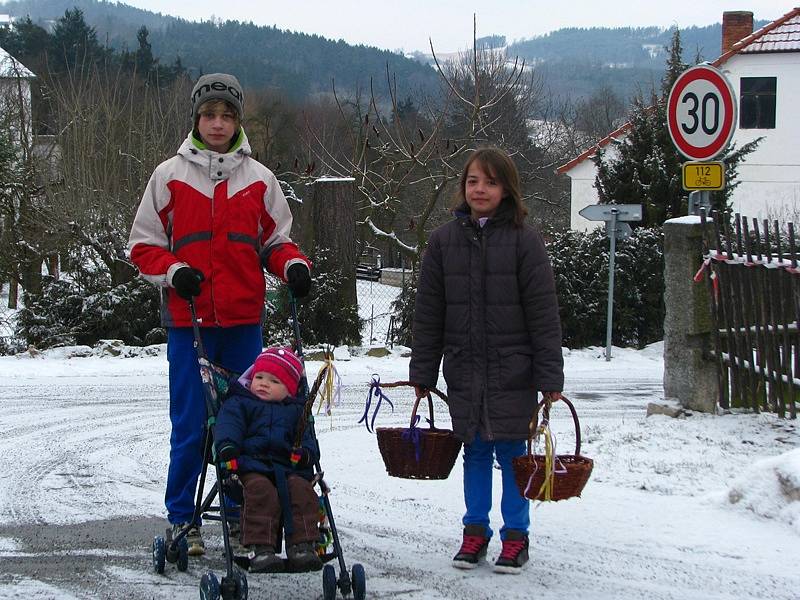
(701, 112)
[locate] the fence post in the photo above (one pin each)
(690, 376)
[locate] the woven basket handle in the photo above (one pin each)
(430, 410)
(441, 395)
(545, 405)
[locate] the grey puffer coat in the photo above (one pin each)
(486, 302)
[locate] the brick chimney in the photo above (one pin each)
(736, 25)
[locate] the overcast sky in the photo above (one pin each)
(408, 24)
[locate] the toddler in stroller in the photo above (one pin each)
(262, 444)
(257, 441)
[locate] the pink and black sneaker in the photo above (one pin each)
(514, 554)
(473, 547)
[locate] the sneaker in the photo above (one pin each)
(303, 557)
(264, 560)
(473, 547)
(196, 545)
(514, 554)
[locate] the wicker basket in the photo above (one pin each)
(571, 472)
(431, 457)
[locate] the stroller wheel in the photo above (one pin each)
(209, 587)
(359, 582)
(172, 552)
(235, 587)
(328, 583)
(183, 554)
(159, 554)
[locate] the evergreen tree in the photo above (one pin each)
(25, 41)
(675, 65)
(73, 42)
(144, 55)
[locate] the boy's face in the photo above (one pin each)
(268, 387)
(216, 127)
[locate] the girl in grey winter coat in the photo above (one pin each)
(486, 303)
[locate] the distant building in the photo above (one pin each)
(15, 93)
(763, 68)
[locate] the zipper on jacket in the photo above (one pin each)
(484, 387)
(211, 257)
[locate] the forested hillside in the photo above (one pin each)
(576, 61)
(298, 64)
(573, 62)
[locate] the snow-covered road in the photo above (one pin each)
(84, 442)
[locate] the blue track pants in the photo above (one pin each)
(234, 348)
(478, 462)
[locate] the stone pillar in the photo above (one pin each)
(690, 376)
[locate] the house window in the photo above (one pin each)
(757, 108)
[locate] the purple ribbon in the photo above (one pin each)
(413, 433)
(376, 392)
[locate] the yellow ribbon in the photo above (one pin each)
(329, 390)
(546, 491)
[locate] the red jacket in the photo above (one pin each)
(222, 214)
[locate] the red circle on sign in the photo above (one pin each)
(723, 133)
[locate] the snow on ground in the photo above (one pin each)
(692, 508)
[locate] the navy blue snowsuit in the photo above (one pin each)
(263, 435)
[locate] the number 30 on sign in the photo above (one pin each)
(701, 113)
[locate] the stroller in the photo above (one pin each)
(233, 585)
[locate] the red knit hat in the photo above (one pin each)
(284, 364)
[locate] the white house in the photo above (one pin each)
(15, 94)
(763, 68)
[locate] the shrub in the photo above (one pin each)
(580, 265)
(323, 319)
(66, 314)
(403, 312)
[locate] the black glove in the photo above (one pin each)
(186, 282)
(301, 458)
(299, 279)
(227, 455)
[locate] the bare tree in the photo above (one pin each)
(112, 130)
(406, 162)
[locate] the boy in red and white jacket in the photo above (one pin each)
(210, 219)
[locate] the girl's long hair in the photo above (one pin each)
(497, 164)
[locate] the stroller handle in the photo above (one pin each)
(298, 342)
(198, 341)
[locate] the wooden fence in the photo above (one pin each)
(751, 270)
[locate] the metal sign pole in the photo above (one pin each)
(616, 217)
(609, 315)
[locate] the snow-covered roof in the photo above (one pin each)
(782, 35)
(11, 67)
